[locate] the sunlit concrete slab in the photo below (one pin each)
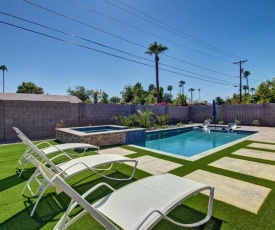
(259, 154)
(235, 192)
(251, 168)
(155, 165)
(116, 150)
(262, 146)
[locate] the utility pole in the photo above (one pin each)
(241, 70)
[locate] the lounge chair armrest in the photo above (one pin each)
(96, 187)
(44, 142)
(60, 155)
(73, 204)
(164, 216)
(150, 212)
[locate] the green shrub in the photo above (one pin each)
(123, 120)
(256, 122)
(60, 124)
(238, 122)
(221, 122)
(162, 119)
(144, 118)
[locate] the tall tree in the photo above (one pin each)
(151, 87)
(252, 90)
(170, 88)
(30, 88)
(156, 49)
(3, 68)
(127, 94)
(192, 94)
(245, 88)
(104, 98)
(219, 101)
(79, 91)
(245, 75)
(181, 85)
(199, 94)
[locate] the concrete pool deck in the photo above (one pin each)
(241, 194)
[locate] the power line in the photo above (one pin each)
(6, 87)
(87, 8)
(105, 46)
(106, 53)
(199, 66)
(186, 36)
(100, 30)
(258, 70)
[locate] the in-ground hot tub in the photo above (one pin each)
(101, 135)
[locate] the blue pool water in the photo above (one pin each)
(96, 129)
(189, 142)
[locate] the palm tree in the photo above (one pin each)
(156, 49)
(199, 94)
(169, 88)
(252, 90)
(144, 118)
(3, 68)
(181, 85)
(245, 88)
(191, 90)
(245, 75)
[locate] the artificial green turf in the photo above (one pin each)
(15, 209)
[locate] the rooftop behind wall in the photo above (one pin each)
(38, 119)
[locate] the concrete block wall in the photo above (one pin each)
(270, 115)
(102, 114)
(2, 121)
(38, 119)
(246, 114)
(178, 114)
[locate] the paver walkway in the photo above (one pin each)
(116, 150)
(235, 192)
(251, 168)
(262, 146)
(155, 165)
(259, 154)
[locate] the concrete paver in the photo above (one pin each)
(259, 154)
(262, 146)
(155, 165)
(116, 150)
(235, 192)
(251, 168)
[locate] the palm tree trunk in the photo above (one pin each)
(3, 82)
(157, 77)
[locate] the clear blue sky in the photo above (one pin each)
(209, 35)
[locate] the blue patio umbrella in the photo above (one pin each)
(214, 111)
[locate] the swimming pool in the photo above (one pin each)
(188, 142)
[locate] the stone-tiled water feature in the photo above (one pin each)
(101, 135)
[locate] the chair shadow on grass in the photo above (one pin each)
(52, 206)
(14, 180)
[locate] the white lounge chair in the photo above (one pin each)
(138, 205)
(205, 126)
(50, 149)
(231, 126)
(75, 166)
